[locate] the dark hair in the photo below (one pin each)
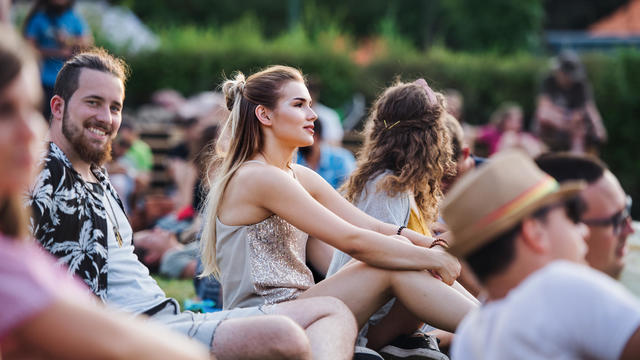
(495, 256)
(15, 54)
(499, 253)
(96, 59)
(571, 167)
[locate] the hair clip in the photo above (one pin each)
(387, 126)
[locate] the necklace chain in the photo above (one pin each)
(116, 227)
(114, 222)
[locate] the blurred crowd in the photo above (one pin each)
(420, 237)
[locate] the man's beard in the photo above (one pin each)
(81, 144)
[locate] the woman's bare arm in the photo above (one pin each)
(331, 199)
(271, 190)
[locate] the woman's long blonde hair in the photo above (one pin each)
(242, 138)
(405, 133)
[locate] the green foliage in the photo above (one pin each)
(501, 25)
(193, 59)
(616, 84)
(486, 80)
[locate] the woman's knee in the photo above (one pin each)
(262, 337)
(288, 340)
(334, 307)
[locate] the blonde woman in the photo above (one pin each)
(262, 207)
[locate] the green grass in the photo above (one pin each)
(179, 289)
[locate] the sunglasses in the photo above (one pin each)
(617, 220)
(574, 207)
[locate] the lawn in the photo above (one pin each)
(178, 289)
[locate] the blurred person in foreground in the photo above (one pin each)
(80, 219)
(521, 234)
(37, 297)
(5, 12)
(566, 114)
(608, 208)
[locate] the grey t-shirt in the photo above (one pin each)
(129, 285)
(377, 203)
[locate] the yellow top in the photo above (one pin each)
(417, 223)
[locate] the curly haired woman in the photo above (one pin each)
(406, 154)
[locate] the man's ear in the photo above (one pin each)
(534, 235)
(262, 113)
(57, 107)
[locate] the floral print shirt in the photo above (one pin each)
(69, 218)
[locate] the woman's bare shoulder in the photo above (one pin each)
(255, 176)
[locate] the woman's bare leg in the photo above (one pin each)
(261, 337)
(327, 322)
(399, 321)
(456, 285)
(365, 289)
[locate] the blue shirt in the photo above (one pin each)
(43, 29)
(336, 164)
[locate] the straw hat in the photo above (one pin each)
(495, 197)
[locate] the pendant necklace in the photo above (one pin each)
(114, 223)
(116, 228)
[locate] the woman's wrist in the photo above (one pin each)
(439, 242)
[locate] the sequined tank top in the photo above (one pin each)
(262, 263)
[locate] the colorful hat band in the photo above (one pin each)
(541, 189)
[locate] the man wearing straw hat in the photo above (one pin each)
(521, 234)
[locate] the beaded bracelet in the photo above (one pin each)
(439, 241)
(400, 229)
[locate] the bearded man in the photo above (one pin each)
(79, 218)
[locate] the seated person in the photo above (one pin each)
(262, 208)
(45, 313)
(521, 233)
(78, 217)
(608, 208)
